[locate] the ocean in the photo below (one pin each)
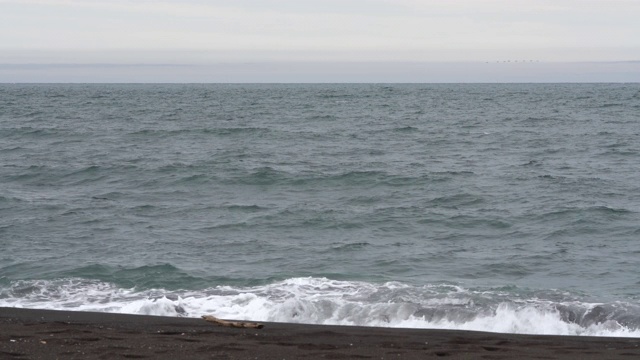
(497, 207)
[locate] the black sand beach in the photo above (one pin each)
(45, 334)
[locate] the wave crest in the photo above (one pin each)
(325, 301)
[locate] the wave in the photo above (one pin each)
(607, 105)
(268, 175)
(324, 117)
(594, 213)
(223, 131)
(406, 129)
(29, 132)
(12, 149)
(325, 301)
(457, 200)
(56, 175)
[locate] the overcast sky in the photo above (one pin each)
(199, 32)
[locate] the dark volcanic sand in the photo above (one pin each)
(44, 334)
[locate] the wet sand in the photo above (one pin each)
(45, 334)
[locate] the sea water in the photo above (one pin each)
(498, 207)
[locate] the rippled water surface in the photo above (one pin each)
(455, 206)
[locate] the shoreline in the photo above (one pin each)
(51, 334)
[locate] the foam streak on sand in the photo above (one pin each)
(332, 302)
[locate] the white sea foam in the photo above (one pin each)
(324, 301)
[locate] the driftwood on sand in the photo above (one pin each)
(236, 324)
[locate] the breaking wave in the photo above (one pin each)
(325, 301)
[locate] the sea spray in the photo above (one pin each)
(325, 301)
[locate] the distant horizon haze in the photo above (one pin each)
(335, 36)
(327, 72)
